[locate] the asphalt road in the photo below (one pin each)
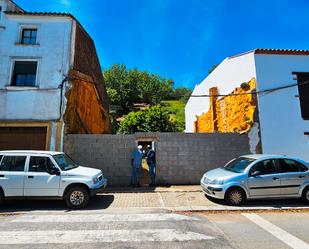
(153, 229)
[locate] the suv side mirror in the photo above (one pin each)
(256, 173)
(54, 171)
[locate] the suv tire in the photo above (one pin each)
(77, 197)
(235, 197)
(305, 195)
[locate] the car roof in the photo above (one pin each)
(30, 152)
(268, 156)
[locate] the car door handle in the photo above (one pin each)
(301, 176)
(30, 176)
(2, 176)
(275, 178)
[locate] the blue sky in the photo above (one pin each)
(182, 39)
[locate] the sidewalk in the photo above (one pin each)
(160, 199)
(186, 198)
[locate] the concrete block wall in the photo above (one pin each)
(182, 158)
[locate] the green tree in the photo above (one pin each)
(182, 93)
(153, 119)
(120, 89)
(153, 89)
(126, 87)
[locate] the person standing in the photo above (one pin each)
(151, 161)
(136, 161)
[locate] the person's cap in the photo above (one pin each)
(140, 147)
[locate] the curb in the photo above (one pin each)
(147, 190)
(237, 210)
(180, 210)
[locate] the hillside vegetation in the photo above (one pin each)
(176, 109)
(144, 102)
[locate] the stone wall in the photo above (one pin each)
(182, 158)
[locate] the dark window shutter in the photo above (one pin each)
(303, 89)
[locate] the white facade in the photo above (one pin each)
(37, 105)
(52, 53)
(281, 126)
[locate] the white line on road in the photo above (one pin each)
(161, 200)
(279, 233)
(101, 218)
(97, 236)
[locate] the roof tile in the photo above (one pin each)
(38, 13)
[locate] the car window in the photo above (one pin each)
(65, 162)
(288, 165)
(238, 165)
(265, 167)
(40, 164)
(13, 163)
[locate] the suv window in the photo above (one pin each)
(288, 165)
(65, 162)
(13, 163)
(266, 167)
(40, 164)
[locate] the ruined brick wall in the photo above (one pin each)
(208, 122)
(84, 111)
(87, 62)
(236, 113)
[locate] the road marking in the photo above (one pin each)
(161, 200)
(279, 233)
(72, 218)
(95, 236)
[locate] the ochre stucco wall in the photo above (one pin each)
(234, 113)
(84, 110)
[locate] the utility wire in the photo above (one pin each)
(253, 92)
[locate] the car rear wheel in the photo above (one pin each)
(235, 197)
(77, 197)
(305, 195)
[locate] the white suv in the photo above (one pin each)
(47, 174)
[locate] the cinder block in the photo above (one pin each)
(181, 158)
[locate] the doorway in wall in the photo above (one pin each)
(145, 178)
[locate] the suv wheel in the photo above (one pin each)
(77, 197)
(235, 196)
(305, 195)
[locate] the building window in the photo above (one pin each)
(303, 89)
(28, 36)
(24, 73)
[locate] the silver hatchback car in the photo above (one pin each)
(258, 177)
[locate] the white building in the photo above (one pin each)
(282, 125)
(38, 51)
